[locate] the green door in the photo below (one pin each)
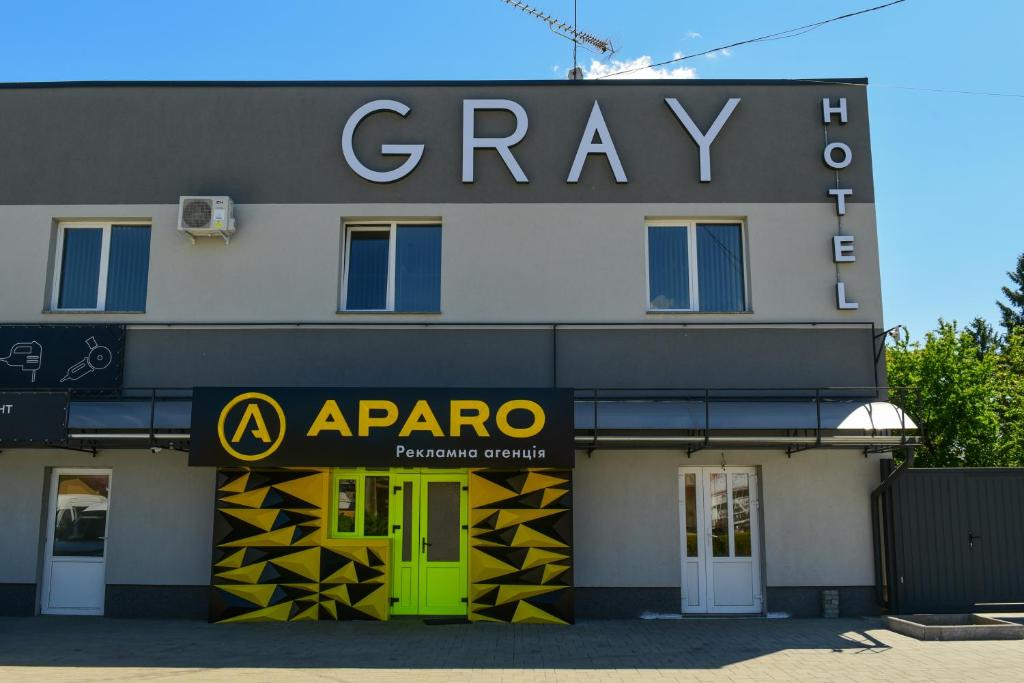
(430, 532)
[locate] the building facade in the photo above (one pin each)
(545, 351)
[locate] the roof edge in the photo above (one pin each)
(860, 81)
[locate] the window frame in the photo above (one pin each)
(391, 227)
(106, 226)
(359, 474)
(692, 258)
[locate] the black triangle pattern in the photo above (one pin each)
(293, 594)
(492, 547)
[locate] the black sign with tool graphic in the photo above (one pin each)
(65, 357)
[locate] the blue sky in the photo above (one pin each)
(948, 168)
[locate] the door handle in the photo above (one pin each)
(970, 539)
(424, 546)
(395, 527)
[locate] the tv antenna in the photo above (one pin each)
(568, 31)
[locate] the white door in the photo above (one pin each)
(76, 542)
(720, 540)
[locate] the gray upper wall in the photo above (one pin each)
(280, 143)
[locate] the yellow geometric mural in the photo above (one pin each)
(273, 560)
(520, 562)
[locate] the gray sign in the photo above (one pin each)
(552, 141)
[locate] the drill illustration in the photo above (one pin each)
(27, 356)
(98, 358)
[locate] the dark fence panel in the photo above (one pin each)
(956, 539)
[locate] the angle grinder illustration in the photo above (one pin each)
(98, 358)
(27, 356)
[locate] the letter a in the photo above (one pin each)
(421, 419)
(252, 412)
(330, 419)
(605, 146)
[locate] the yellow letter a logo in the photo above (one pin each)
(252, 412)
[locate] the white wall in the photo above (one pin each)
(817, 519)
(501, 262)
(626, 516)
(160, 528)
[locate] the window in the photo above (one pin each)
(361, 503)
(695, 266)
(392, 267)
(101, 267)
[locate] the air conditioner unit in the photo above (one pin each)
(206, 217)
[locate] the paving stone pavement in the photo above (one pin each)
(96, 649)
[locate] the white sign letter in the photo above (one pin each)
(842, 147)
(840, 196)
(596, 124)
(703, 140)
(414, 152)
(470, 142)
(827, 110)
(841, 301)
(842, 249)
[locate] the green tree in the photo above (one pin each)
(1011, 400)
(1013, 315)
(956, 400)
(985, 338)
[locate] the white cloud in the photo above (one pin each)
(723, 52)
(642, 66)
(693, 34)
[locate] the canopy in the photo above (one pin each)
(623, 422)
(788, 423)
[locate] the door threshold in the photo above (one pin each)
(445, 621)
(649, 616)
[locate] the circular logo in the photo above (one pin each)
(251, 420)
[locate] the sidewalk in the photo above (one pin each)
(96, 649)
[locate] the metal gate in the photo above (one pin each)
(952, 541)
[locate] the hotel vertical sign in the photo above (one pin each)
(837, 156)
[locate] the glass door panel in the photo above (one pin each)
(719, 515)
(442, 539)
(80, 521)
(741, 514)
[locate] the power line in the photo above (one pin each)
(946, 91)
(788, 33)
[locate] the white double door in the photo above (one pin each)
(720, 540)
(74, 570)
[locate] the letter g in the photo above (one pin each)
(414, 152)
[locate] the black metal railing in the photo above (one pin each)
(700, 401)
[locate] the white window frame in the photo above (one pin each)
(691, 250)
(391, 227)
(101, 284)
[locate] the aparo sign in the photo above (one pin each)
(296, 427)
